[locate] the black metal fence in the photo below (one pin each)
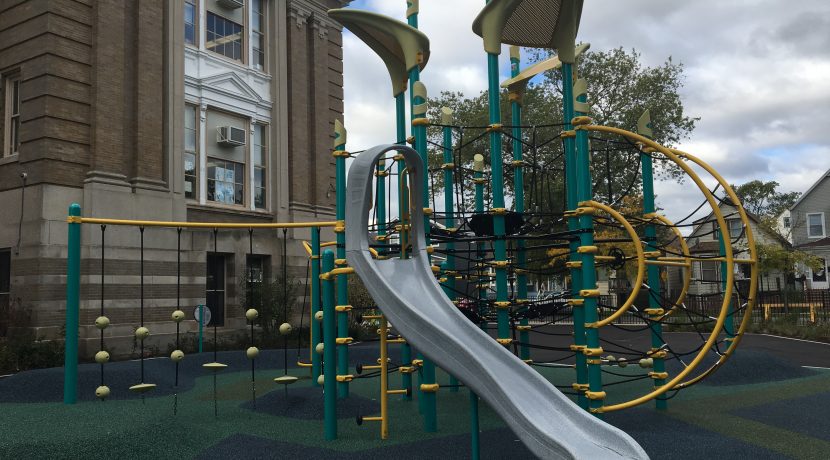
(808, 306)
(803, 307)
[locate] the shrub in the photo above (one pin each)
(274, 298)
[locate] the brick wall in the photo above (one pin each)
(50, 43)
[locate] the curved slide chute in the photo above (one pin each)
(547, 421)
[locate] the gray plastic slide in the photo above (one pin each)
(546, 421)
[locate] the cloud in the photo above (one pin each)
(756, 74)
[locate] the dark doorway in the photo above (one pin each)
(5, 287)
(215, 289)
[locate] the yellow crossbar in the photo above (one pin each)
(155, 223)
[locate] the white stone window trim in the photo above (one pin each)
(250, 168)
(202, 179)
(263, 31)
(198, 39)
(198, 118)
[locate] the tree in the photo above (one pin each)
(774, 257)
(763, 200)
(620, 89)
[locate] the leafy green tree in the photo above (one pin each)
(763, 199)
(620, 88)
(774, 257)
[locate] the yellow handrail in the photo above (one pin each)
(729, 272)
(753, 277)
(170, 224)
(638, 283)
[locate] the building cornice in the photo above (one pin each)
(300, 11)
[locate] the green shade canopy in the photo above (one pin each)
(399, 45)
(531, 23)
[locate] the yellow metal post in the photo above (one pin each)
(384, 383)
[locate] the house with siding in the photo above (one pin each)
(707, 276)
(808, 220)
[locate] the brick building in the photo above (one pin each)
(196, 110)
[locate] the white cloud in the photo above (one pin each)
(756, 74)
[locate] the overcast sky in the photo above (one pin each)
(757, 74)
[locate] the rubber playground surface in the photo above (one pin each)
(763, 404)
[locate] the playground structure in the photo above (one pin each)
(423, 315)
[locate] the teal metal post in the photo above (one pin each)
(585, 192)
(498, 211)
(201, 326)
(329, 352)
(652, 271)
(483, 280)
(381, 174)
(403, 205)
(316, 326)
(342, 280)
(571, 180)
(478, 180)
(518, 193)
(73, 302)
(448, 267)
(403, 190)
(418, 109)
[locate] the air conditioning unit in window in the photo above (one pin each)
(230, 136)
(231, 4)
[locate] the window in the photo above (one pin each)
(190, 16)
(226, 181)
(709, 272)
(215, 288)
(820, 276)
(786, 222)
(744, 271)
(256, 273)
(256, 269)
(258, 35)
(260, 156)
(815, 225)
(736, 229)
(191, 152)
(224, 37)
(12, 116)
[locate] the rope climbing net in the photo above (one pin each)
(632, 245)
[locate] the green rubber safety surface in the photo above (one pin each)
(764, 419)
